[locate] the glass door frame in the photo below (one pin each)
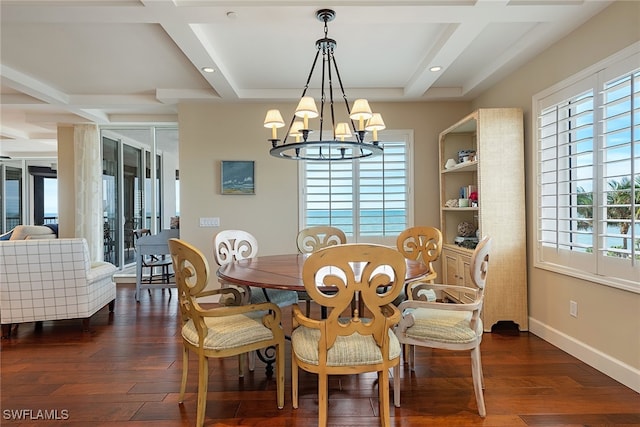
(150, 188)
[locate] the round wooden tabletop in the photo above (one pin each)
(285, 271)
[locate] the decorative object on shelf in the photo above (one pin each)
(466, 156)
(336, 147)
(463, 203)
(466, 191)
(467, 242)
(451, 203)
(466, 229)
(473, 197)
(451, 163)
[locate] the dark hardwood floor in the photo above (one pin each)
(126, 372)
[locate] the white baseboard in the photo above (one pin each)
(614, 368)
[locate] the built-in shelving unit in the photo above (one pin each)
(493, 166)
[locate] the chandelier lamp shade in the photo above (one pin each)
(346, 140)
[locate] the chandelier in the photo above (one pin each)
(340, 144)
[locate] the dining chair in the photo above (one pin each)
(420, 243)
(349, 341)
(150, 263)
(236, 245)
(424, 244)
(449, 326)
(310, 240)
(220, 331)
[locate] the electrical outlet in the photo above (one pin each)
(573, 308)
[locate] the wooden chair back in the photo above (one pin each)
(234, 245)
(313, 238)
(480, 263)
(192, 275)
(421, 242)
(355, 272)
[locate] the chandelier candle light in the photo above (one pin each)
(339, 147)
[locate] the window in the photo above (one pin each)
(588, 175)
(368, 198)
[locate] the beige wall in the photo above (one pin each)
(606, 332)
(210, 133)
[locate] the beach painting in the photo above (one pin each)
(238, 177)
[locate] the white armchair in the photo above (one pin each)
(52, 279)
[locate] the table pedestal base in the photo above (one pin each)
(267, 356)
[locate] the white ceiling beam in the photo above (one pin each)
(450, 45)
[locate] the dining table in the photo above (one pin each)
(285, 272)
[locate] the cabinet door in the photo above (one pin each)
(464, 264)
(450, 267)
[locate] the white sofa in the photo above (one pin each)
(52, 279)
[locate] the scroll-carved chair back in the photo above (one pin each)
(421, 243)
(313, 238)
(349, 341)
(234, 245)
(192, 274)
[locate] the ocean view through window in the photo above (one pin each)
(368, 198)
(588, 174)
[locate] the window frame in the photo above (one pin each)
(401, 135)
(592, 266)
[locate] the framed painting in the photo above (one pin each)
(237, 177)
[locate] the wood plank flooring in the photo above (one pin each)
(126, 372)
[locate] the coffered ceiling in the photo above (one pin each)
(114, 62)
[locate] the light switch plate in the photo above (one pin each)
(210, 222)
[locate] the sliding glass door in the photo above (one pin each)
(28, 192)
(12, 196)
(110, 200)
(134, 175)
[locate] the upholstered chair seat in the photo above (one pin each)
(229, 331)
(452, 327)
(346, 351)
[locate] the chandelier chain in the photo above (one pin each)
(337, 147)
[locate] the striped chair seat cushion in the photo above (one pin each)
(443, 326)
(349, 350)
(229, 331)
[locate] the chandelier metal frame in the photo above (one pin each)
(330, 149)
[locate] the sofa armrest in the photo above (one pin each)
(100, 270)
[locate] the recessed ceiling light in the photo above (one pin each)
(435, 68)
(208, 69)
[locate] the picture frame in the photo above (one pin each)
(237, 177)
